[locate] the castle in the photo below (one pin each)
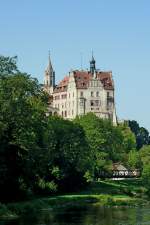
(81, 92)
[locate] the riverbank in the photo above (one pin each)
(108, 193)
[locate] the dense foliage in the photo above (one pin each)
(141, 134)
(42, 154)
(37, 154)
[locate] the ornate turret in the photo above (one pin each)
(49, 78)
(92, 65)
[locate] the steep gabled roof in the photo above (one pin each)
(62, 86)
(82, 79)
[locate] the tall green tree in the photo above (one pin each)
(22, 116)
(141, 134)
(129, 139)
(71, 153)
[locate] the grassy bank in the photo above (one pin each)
(125, 192)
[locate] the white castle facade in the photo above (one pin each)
(81, 92)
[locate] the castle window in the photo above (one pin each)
(97, 94)
(81, 94)
(64, 96)
(96, 102)
(92, 94)
(65, 113)
(81, 102)
(57, 97)
(92, 103)
(73, 94)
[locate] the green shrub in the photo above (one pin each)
(47, 187)
(88, 176)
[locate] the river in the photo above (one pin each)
(91, 214)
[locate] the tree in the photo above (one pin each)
(38, 153)
(142, 137)
(105, 141)
(145, 154)
(129, 140)
(71, 155)
(8, 65)
(22, 115)
(142, 134)
(145, 158)
(134, 160)
(146, 176)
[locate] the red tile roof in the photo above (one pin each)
(62, 86)
(82, 80)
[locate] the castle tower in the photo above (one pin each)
(92, 65)
(49, 77)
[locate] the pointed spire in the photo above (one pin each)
(49, 57)
(93, 57)
(49, 78)
(49, 68)
(92, 64)
(93, 60)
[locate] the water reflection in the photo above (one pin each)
(86, 215)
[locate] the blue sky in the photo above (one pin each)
(117, 31)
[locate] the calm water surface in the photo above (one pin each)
(86, 215)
